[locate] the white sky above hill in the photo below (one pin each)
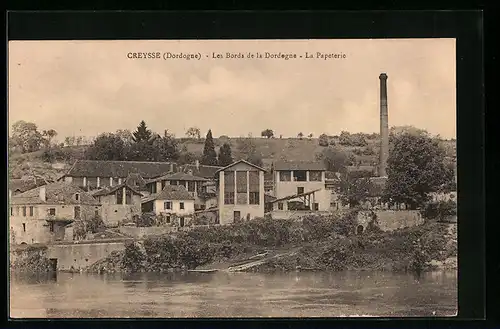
(89, 87)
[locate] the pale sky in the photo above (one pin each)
(89, 87)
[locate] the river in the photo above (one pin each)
(317, 294)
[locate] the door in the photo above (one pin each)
(53, 264)
(237, 216)
(181, 222)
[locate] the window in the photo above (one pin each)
(24, 227)
(315, 206)
(174, 182)
(191, 186)
(229, 198)
(241, 198)
(163, 183)
(181, 205)
(31, 211)
(128, 197)
(299, 176)
(119, 196)
(254, 181)
(241, 182)
(167, 205)
(229, 181)
(11, 211)
(254, 198)
(51, 226)
(280, 205)
(285, 176)
(168, 219)
(24, 211)
(52, 211)
(315, 176)
(300, 190)
(77, 196)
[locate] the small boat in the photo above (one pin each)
(203, 271)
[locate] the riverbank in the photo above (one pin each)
(315, 244)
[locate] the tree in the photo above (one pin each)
(310, 135)
(69, 140)
(355, 191)
(225, 156)
(186, 157)
(126, 136)
(323, 140)
(267, 133)
(49, 135)
(193, 132)
(26, 137)
(334, 159)
(416, 167)
(300, 135)
(142, 133)
(209, 156)
(106, 147)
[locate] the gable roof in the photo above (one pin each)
(178, 176)
(299, 165)
(240, 161)
(23, 185)
(108, 190)
(96, 168)
(55, 193)
(204, 171)
(171, 192)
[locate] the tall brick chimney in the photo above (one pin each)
(384, 127)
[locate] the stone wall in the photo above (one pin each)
(390, 220)
(144, 232)
(78, 256)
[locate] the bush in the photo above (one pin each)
(133, 258)
(33, 260)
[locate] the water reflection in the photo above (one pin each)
(235, 295)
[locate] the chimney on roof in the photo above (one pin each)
(384, 127)
(197, 164)
(43, 195)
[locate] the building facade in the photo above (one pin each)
(300, 178)
(174, 202)
(40, 215)
(119, 204)
(240, 192)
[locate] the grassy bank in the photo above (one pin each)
(321, 243)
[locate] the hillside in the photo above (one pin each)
(270, 149)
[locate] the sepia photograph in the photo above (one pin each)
(232, 178)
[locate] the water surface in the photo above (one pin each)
(234, 295)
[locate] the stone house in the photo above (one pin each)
(119, 204)
(94, 174)
(40, 215)
(193, 184)
(300, 185)
(174, 202)
(240, 192)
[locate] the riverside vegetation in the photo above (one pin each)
(319, 243)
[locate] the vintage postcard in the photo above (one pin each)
(235, 178)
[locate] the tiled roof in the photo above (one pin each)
(109, 190)
(22, 185)
(179, 176)
(55, 193)
(299, 165)
(171, 192)
(201, 171)
(95, 168)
